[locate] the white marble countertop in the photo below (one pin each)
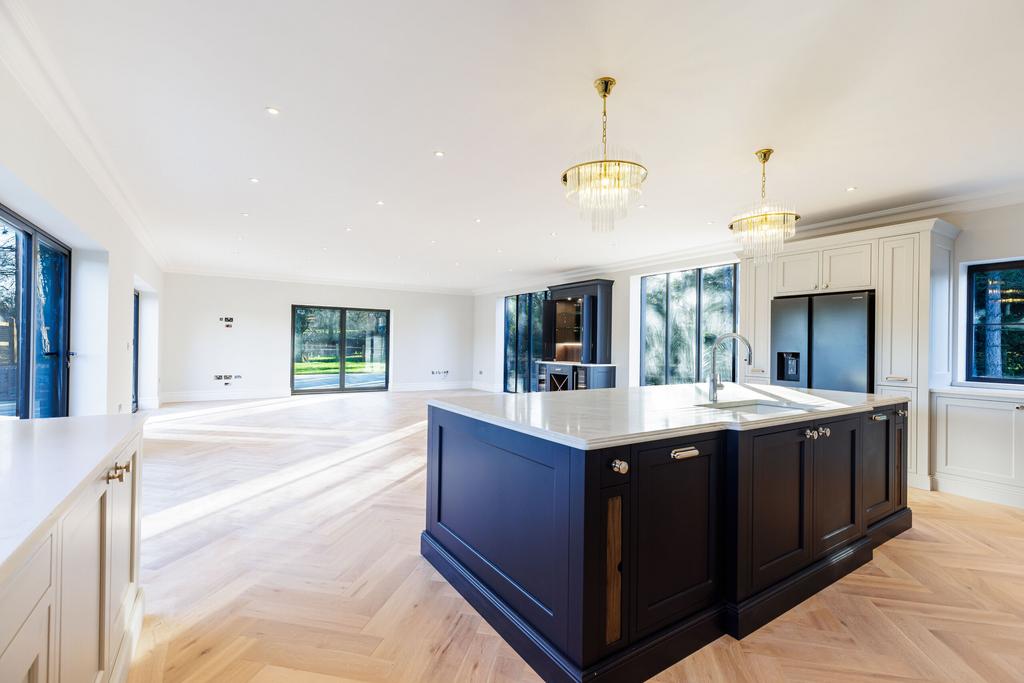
(601, 418)
(44, 463)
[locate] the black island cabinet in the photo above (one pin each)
(613, 564)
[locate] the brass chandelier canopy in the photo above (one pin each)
(604, 189)
(763, 230)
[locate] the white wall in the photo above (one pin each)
(45, 182)
(428, 332)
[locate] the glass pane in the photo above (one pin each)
(50, 332)
(522, 342)
(998, 317)
(510, 343)
(536, 334)
(366, 349)
(11, 248)
(718, 316)
(999, 352)
(682, 331)
(653, 293)
(316, 361)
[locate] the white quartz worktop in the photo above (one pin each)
(44, 463)
(601, 418)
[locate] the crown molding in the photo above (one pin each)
(24, 51)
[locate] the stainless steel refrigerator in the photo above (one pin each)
(825, 341)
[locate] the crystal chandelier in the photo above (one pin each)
(604, 189)
(762, 231)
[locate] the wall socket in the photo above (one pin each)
(229, 321)
(443, 373)
(226, 375)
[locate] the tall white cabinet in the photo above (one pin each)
(910, 268)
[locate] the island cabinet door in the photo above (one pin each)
(880, 475)
(675, 531)
(774, 496)
(838, 514)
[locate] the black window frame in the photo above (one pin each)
(26, 335)
(531, 370)
(135, 351)
(698, 315)
(969, 376)
(342, 389)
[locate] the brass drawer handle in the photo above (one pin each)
(620, 466)
(684, 453)
(115, 474)
(879, 417)
(126, 468)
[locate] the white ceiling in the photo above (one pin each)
(909, 101)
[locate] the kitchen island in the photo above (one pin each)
(608, 534)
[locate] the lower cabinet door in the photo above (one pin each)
(879, 465)
(122, 494)
(83, 608)
(838, 514)
(780, 495)
(27, 658)
(676, 531)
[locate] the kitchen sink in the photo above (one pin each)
(756, 407)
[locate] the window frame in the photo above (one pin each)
(698, 316)
(342, 389)
(528, 382)
(972, 269)
(27, 302)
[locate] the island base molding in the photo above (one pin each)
(661, 650)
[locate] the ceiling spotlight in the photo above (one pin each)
(380, 202)
(323, 248)
(554, 234)
(711, 222)
(476, 220)
(641, 206)
(439, 154)
(457, 264)
(499, 251)
(273, 111)
(254, 180)
(245, 215)
(433, 241)
(851, 188)
(348, 229)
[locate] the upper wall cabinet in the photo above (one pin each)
(897, 311)
(834, 269)
(797, 273)
(848, 267)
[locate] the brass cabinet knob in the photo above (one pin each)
(126, 468)
(620, 466)
(115, 474)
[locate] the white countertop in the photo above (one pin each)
(601, 418)
(44, 463)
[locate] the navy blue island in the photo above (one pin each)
(607, 534)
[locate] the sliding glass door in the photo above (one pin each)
(339, 349)
(35, 279)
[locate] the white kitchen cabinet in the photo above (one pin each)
(981, 438)
(83, 611)
(914, 465)
(755, 319)
(797, 273)
(848, 267)
(898, 311)
(70, 602)
(27, 658)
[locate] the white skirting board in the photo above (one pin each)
(979, 490)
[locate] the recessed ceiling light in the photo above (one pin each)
(711, 222)
(239, 238)
(323, 248)
(510, 270)
(439, 154)
(851, 188)
(348, 229)
(554, 234)
(476, 220)
(641, 206)
(457, 264)
(499, 251)
(273, 111)
(433, 241)
(245, 215)
(380, 202)
(254, 180)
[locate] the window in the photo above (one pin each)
(523, 340)
(323, 336)
(682, 313)
(995, 322)
(35, 279)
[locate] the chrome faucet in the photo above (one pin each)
(714, 383)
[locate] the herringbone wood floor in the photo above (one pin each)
(281, 544)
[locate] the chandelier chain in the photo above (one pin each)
(763, 164)
(604, 126)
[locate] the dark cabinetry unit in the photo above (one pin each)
(612, 564)
(577, 322)
(569, 377)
